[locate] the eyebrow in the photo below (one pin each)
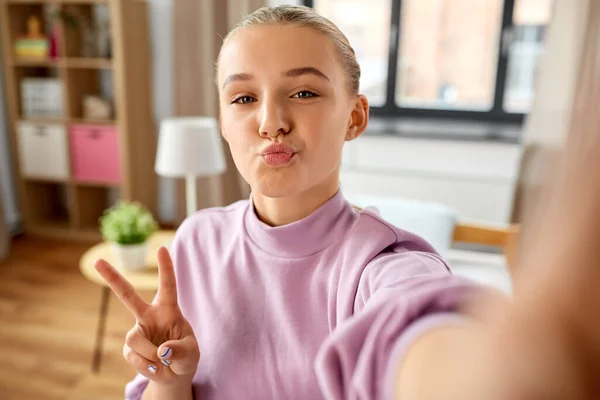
(306, 71)
(292, 73)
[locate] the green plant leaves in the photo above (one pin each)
(127, 223)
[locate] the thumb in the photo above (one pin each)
(181, 355)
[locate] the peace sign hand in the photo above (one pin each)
(161, 346)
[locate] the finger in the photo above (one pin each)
(183, 354)
(123, 289)
(167, 287)
(136, 340)
(144, 366)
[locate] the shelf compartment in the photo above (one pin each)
(84, 82)
(46, 203)
(89, 36)
(40, 93)
(91, 202)
(25, 16)
(95, 154)
(43, 151)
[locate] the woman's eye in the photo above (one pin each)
(244, 100)
(304, 94)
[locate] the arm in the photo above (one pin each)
(441, 364)
(494, 360)
(155, 391)
(396, 292)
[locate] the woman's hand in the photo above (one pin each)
(545, 343)
(161, 346)
(551, 334)
(557, 298)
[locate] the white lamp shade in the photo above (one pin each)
(189, 146)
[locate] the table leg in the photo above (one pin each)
(100, 330)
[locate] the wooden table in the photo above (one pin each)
(145, 279)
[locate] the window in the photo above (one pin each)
(468, 59)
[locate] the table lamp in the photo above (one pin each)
(190, 147)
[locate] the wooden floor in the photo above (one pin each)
(48, 320)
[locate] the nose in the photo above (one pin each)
(273, 119)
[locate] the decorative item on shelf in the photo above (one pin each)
(53, 52)
(34, 44)
(59, 19)
(104, 44)
(97, 108)
(190, 147)
(128, 225)
(88, 41)
(94, 31)
(41, 98)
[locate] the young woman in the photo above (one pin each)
(294, 294)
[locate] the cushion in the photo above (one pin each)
(434, 222)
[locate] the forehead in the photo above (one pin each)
(269, 50)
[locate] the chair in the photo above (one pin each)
(506, 238)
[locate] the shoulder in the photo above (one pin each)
(370, 226)
(375, 247)
(388, 247)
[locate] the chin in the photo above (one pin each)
(277, 185)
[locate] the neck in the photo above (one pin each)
(278, 211)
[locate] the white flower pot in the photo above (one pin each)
(130, 257)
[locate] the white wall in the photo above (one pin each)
(476, 179)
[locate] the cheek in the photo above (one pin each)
(326, 130)
(241, 141)
(236, 130)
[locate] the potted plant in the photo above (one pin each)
(128, 225)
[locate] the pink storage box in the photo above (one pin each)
(95, 154)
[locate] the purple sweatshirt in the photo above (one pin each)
(318, 309)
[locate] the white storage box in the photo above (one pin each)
(42, 97)
(43, 150)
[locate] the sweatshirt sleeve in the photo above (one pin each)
(399, 297)
(135, 388)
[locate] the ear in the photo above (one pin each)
(359, 118)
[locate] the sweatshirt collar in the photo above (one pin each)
(303, 237)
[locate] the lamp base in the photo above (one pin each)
(191, 198)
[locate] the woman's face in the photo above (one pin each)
(286, 109)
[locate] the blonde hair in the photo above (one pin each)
(306, 17)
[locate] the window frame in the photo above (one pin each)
(496, 114)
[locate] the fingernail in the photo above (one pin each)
(152, 368)
(166, 362)
(166, 352)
